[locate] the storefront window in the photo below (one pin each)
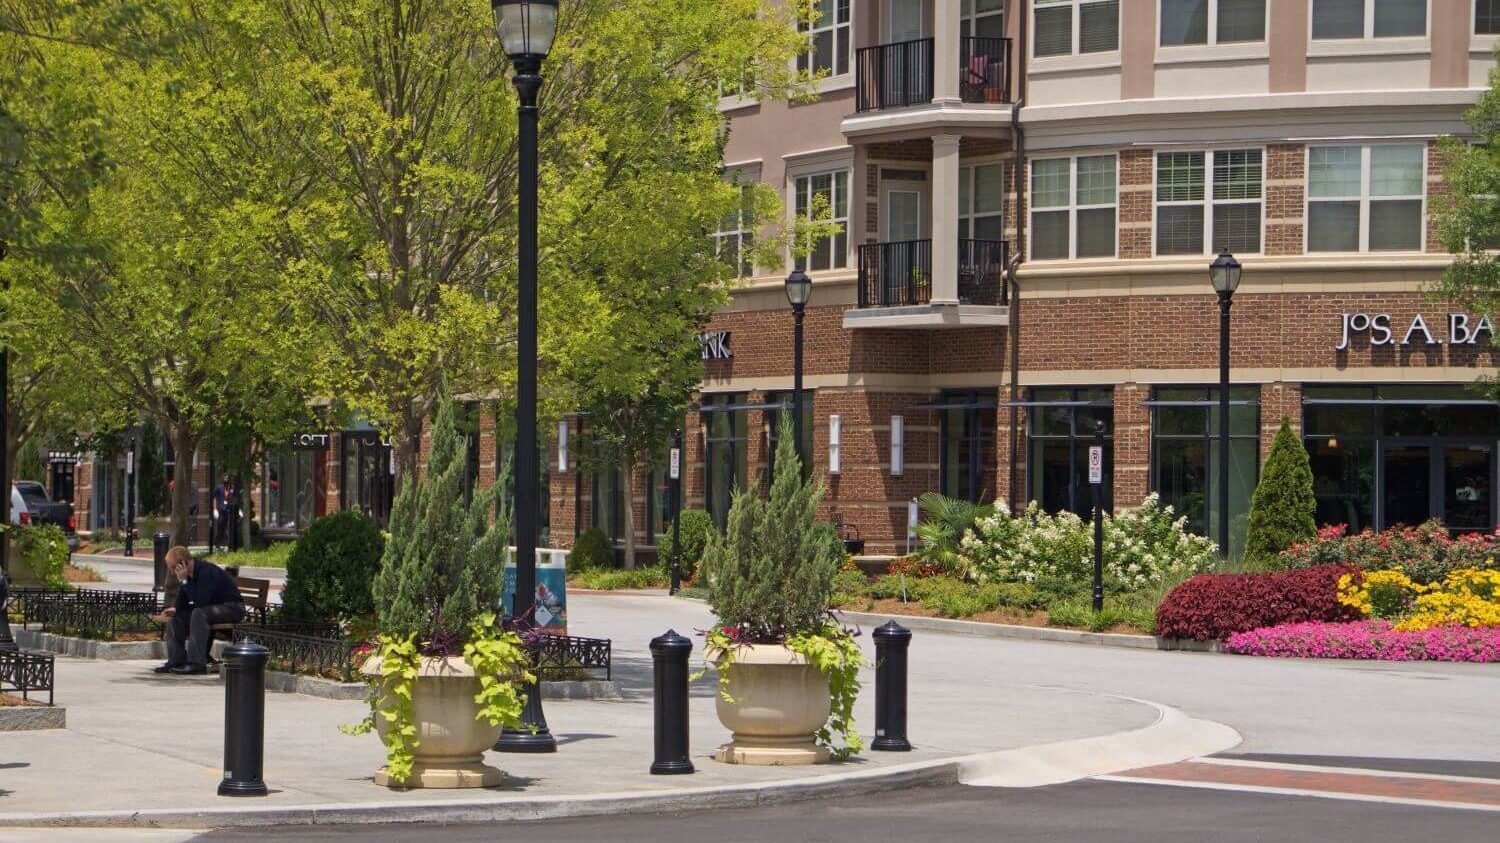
(368, 481)
(1059, 435)
(468, 428)
(726, 422)
(289, 486)
(608, 503)
(967, 436)
(1394, 454)
(773, 418)
(1185, 466)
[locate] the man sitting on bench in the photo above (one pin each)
(205, 596)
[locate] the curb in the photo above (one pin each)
(1173, 736)
(88, 648)
(26, 718)
(1019, 633)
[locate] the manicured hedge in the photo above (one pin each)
(1211, 606)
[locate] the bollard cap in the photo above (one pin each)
(246, 651)
(891, 632)
(162, 536)
(671, 643)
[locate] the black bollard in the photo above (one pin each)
(159, 544)
(891, 643)
(669, 657)
(244, 720)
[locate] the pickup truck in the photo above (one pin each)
(29, 505)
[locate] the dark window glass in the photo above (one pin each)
(1338, 18)
(1339, 420)
(1343, 481)
(1487, 17)
(967, 437)
(1242, 20)
(1059, 439)
(773, 419)
(1186, 470)
(609, 502)
(1099, 27)
(368, 482)
(725, 463)
(1184, 22)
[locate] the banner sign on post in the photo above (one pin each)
(676, 464)
(1096, 464)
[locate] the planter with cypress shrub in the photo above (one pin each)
(447, 674)
(788, 671)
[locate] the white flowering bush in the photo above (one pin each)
(1142, 547)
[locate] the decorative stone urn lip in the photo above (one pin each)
(758, 654)
(441, 666)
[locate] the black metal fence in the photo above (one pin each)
(895, 274)
(893, 75)
(564, 654)
(984, 70)
(981, 272)
(27, 672)
(310, 649)
(89, 613)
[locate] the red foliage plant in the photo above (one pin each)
(1212, 606)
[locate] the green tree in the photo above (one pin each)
(1468, 213)
(1283, 506)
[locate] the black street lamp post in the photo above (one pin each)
(798, 292)
(1224, 272)
(526, 28)
(7, 642)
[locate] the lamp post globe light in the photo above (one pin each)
(798, 292)
(526, 29)
(1224, 273)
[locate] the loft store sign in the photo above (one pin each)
(715, 345)
(1463, 329)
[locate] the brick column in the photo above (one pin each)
(1136, 178)
(1277, 400)
(1132, 441)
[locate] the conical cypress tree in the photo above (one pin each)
(1282, 508)
(443, 562)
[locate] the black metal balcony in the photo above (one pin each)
(893, 75)
(984, 70)
(900, 274)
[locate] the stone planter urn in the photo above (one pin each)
(779, 703)
(451, 739)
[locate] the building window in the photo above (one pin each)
(1073, 207)
(368, 478)
(967, 444)
(982, 19)
(1365, 198)
(659, 512)
(1185, 22)
(828, 39)
(1068, 27)
(607, 512)
(1185, 466)
(289, 485)
(725, 422)
(773, 418)
(981, 202)
(1192, 221)
(1487, 17)
(735, 236)
(1368, 18)
(830, 252)
(1059, 435)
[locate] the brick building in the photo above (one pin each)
(1032, 193)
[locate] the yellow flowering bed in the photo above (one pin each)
(1467, 597)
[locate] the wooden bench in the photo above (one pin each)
(255, 593)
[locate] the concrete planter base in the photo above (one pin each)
(779, 703)
(88, 648)
(451, 740)
(1188, 645)
(25, 718)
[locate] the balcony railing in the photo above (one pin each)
(984, 70)
(900, 273)
(894, 75)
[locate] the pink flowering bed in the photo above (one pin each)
(1368, 639)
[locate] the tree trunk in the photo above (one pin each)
(185, 445)
(407, 442)
(627, 488)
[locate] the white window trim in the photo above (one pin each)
(898, 445)
(744, 228)
(1364, 201)
(1208, 197)
(1369, 33)
(835, 443)
(1073, 54)
(968, 213)
(1072, 207)
(834, 80)
(1213, 31)
(815, 165)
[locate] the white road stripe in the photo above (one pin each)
(1293, 791)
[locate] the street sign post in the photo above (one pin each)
(1096, 482)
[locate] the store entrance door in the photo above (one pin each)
(1450, 481)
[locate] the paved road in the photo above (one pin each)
(1074, 813)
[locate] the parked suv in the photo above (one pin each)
(29, 504)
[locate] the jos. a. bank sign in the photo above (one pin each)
(1376, 328)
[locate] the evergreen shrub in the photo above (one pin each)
(332, 568)
(697, 526)
(592, 549)
(1282, 506)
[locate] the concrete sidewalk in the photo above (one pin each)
(142, 749)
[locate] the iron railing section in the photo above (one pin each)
(561, 654)
(981, 272)
(895, 274)
(893, 75)
(318, 654)
(984, 70)
(91, 613)
(27, 672)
